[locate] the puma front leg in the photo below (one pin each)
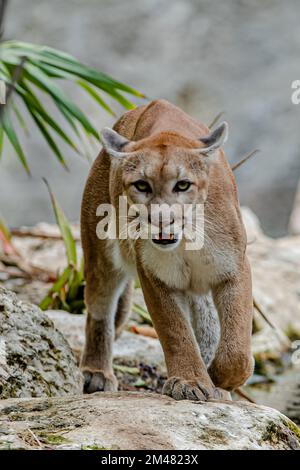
(233, 363)
(188, 377)
(102, 295)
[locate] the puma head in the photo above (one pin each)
(162, 172)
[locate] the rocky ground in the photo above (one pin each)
(36, 362)
(101, 421)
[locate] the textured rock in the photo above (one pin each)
(35, 359)
(282, 394)
(141, 421)
(129, 346)
(275, 268)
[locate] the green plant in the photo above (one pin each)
(67, 291)
(139, 310)
(29, 69)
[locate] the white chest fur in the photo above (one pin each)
(194, 271)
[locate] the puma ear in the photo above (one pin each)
(113, 142)
(215, 139)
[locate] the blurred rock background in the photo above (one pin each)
(205, 56)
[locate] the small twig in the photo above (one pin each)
(215, 120)
(23, 233)
(244, 395)
(244, 159)
(281, 335)
(12, 273)
(29, 271)
(258, 308)
(35, 438)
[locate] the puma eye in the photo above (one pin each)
(182, 186)
(143, 186)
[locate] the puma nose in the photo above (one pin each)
(166, 223)
(161, 223)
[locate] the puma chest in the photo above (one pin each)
(194, 271)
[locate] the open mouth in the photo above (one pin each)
(162, 239)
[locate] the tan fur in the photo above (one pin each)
(164, 143)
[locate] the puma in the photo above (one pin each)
(200, 300)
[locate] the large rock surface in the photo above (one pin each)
(141, 421)
(35, 358)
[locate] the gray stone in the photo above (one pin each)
(275, 268)
(142, 421)
(35, 358)
(128, 347)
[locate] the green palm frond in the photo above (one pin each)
(42, 69)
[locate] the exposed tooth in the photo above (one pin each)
(171, 236)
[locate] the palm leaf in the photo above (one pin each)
(40, 79)
(43, 69)
(19, 117)
(96, 96)
(64, 61)
(39, 122)
(33, 104)
(12, 136)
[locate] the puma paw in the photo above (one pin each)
(182, 389)
(98, 381)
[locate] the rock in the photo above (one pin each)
(275, 265)
(128, 347)
(276, 280)
(46, 253)
(140, 349)
(71, 326)
(252, 224)
(268, 343)
(282, 394)
(35, 359)
(142, 421)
